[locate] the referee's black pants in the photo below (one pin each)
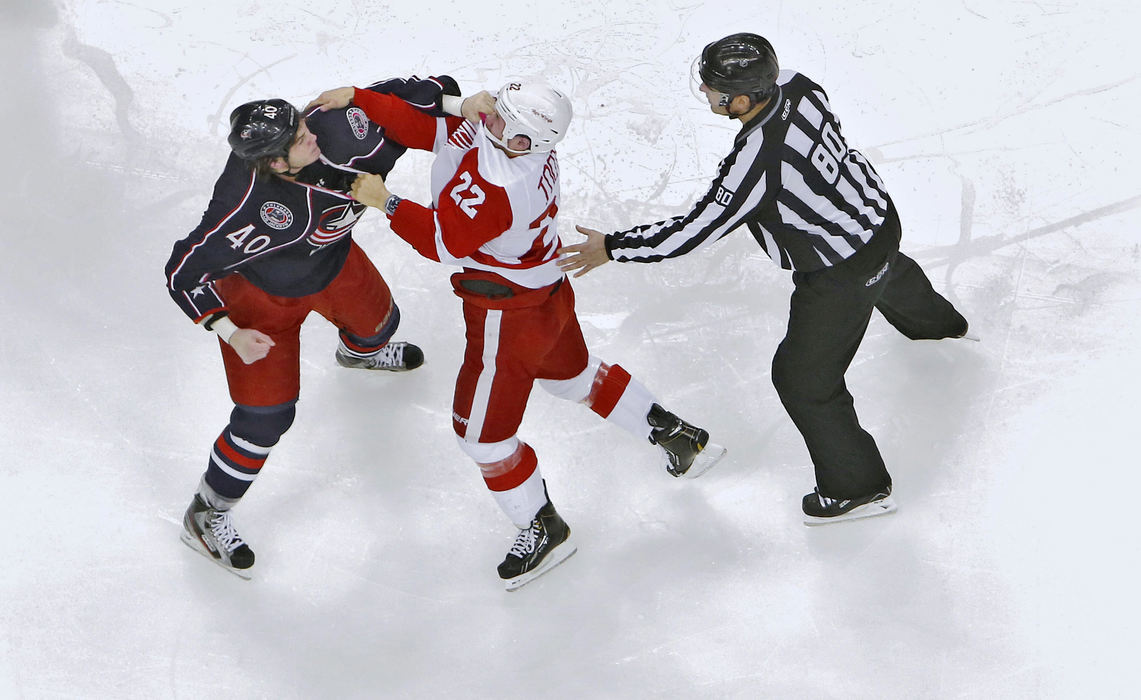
(828, 315)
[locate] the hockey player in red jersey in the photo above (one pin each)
(274, 244)
(494, 213)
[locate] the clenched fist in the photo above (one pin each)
(370, 190)
(479, 104)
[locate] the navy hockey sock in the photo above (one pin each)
(242, 448)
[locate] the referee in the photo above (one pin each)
(819, 209)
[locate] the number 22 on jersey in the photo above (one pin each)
(467, 195)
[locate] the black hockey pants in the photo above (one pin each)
(828, 315)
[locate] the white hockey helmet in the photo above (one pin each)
(537, 111)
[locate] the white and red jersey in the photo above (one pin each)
(489, 212)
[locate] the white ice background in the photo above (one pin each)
(1007, 133)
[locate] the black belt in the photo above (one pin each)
(494, 290)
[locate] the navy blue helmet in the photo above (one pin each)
(263, 128)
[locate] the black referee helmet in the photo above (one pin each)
(740, 64)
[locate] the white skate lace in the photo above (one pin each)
(222, 527)
(525, 542)
(391, 355)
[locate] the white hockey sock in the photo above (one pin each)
(632, 408)
(522, 502)
(597, 385)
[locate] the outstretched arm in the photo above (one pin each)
(471, 108)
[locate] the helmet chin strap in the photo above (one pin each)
(726, 101)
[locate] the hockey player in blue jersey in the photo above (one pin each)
(274, 244)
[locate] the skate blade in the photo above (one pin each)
(711, 454)
(556, 557)
(196, 546)
(868, 510)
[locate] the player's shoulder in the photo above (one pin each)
(236, 182)
(344, 133)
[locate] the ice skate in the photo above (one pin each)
(537, 549)
(820, 509)
(686, 448)
(397, 356)
(211, 533)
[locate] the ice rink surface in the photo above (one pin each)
(1007, 133)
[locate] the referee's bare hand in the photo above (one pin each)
(584, 256)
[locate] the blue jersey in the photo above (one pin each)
(288, 238)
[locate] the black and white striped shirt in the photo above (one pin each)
(808, 199)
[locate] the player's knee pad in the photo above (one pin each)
(489, 452)
(577, 388)
(262, 425)
(363, 346)
(504, 465)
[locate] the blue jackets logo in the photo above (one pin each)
(358, 122)
(276, 215)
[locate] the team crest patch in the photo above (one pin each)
(358, 121)
(276, 215)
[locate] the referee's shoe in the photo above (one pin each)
(820, 509)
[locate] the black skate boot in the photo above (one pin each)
(394, 357)
(537, 549)
(211, 532)
(820, 509)
(686, 447)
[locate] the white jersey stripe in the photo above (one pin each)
(809, 111)
(823, 206)
(483, 385)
